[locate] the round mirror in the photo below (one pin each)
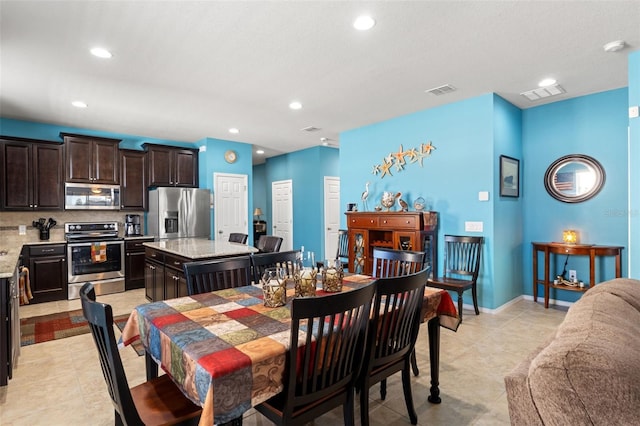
(574, 178)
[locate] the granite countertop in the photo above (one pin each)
(201, 248)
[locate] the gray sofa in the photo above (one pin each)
(588, 373)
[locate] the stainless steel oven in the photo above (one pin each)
(95, 254)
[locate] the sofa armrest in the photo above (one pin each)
(522, 410)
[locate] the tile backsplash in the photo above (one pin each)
(11, 220)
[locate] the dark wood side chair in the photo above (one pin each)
(236, 237)
(211, 275)
(269, 243)
(343, 248)
(395, 263)
(262, 261)
(392, 337)
(155, 402)
(461, 267)
(321, 377)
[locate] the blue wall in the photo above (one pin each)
(306, 169)
(634, 167)
(594, 125)
(450, 178)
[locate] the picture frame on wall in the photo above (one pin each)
(509, 177)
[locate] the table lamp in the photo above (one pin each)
(570, 236)
(257, 212)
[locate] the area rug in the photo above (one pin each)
(44, 328)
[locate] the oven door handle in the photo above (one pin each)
(94, 243)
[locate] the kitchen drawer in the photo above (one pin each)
(174, 262)
(47, 250)
(136, 245)
(399, 221)
(366, 221)
(154, 255)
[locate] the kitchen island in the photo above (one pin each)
(164, 276)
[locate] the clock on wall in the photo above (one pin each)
(230, 156)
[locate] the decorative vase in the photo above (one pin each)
(388, 200)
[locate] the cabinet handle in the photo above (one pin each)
(30, 205)
(384, 221)
(407, 222)
(35, 205)
(372, 221)
(176, 263)
(128, 254)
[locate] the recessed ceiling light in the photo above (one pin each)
(234, 130)
(295, 105)
(79, 104)
(101, 52)
(615, 46)
(547, 82)
(260, 151)
(364, 23)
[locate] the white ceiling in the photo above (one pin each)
(186, 70)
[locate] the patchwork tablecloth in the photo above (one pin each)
(226, 350)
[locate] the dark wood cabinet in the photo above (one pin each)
(416, 231)
(91, 159)
(172, 166)
(133, 180)
(47, 272)
(134, 263)
(164, 278)
(32, 175)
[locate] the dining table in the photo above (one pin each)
(226, 350)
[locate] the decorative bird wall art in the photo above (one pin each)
(402, 158)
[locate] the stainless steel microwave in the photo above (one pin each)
(90, 196)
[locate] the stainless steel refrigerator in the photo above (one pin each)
(179, 213)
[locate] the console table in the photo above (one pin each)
(416, 231)
(592, 251)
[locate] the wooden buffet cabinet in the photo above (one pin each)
(417, 231)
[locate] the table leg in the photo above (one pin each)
(151, 366)
(535, 274)
(434, 359)
(546, 278)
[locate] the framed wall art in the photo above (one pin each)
(509, 177)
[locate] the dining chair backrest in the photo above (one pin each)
(284, 259)
(325, 357)
(236, 237)
(343, 248)
(100, 319)
(156, 401)
(462, 256)
(393, 263)
(392, 335)
(210, 275)
(269, 243)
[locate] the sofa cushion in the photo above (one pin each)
(590, 373)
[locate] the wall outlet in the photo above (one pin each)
(22, 229)
(473, 226)
(573, 275)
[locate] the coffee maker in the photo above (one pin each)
(132, 225)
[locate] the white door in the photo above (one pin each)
(230, 205)
(331, 215)
(282, 212)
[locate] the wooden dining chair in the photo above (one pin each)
(262, 261)
(343, 248)
(324, 359)
(155, 402)
(394, 263)
(237, 237)
(211, 275)
(461, 267)
(392, 337)
(269, 243)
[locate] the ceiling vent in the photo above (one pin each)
(310, 129)
(442, 90)
(543, 92)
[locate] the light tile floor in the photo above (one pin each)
(60, 382)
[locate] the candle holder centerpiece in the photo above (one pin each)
(274, 287)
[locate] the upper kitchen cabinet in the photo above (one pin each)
(32, 175)
(91, 159)
(133, 180)
(172, 166)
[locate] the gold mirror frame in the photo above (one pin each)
(574, 178)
